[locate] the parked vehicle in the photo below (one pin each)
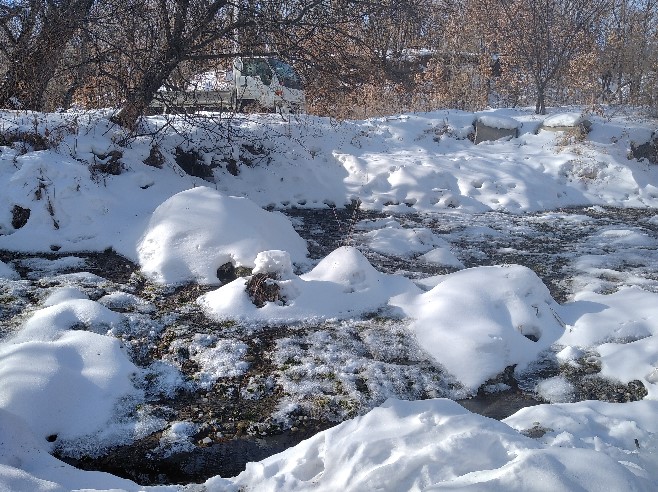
(264, 83)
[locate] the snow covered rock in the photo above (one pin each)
(68, 387)
(477, 322)
(570, 122)
(342, 285)
(274, 262)
(197, 231)
(493, 127)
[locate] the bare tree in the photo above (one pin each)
(540, 38)
(33, 37)
(630, 54)
(176, 31)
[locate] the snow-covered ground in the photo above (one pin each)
(66, 375)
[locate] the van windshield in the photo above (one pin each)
(285, 73)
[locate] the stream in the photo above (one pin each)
(240, 419)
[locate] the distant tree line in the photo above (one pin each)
(357, 57)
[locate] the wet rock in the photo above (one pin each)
(595, 388)
(193, 164)
(19, 216)
(226, 273)
(537, 431)
(155, 158)
(647, 150)
(262, 288)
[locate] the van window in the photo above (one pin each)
(257, 67)
(285, 73)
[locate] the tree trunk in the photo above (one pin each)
(140, 98)
(540, 107)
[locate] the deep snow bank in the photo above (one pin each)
(408, 163)
(433, 445)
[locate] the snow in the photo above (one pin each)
(563, 119)
(433, 445)
(6, 271)
(196, 231)
(556, 390)
(485, 328)
(622, 327)
(275, 262)
(502, 122)
(393, 239)
(66, 376)
(344, 284)
(50, 322)
(217, 358)
(67, 387)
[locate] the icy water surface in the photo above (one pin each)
(292, 380)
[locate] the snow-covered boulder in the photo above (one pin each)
(569, 122)
(342, 285)
(477, 322)
(493, 127)
(196, 231)
(68, 387)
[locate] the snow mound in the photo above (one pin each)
(68, 387)
(8, 272)
(626, 432)
(432, 445)
(275, 262)
(442, 256)
(196, 231)
(348, 268)
(342, 285)
(50, 322)
(396, 240)
(556, 390)
(626, 340)
(63, 294)
(25, 465)
(478, 321)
